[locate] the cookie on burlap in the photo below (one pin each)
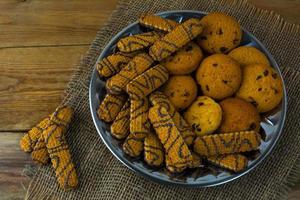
(261, 86)
(221, 33)
(204, 115)
(246, 55)
(238, 115)
(184, 61)
(181, 91)
(219, 76)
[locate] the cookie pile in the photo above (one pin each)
(183, 93)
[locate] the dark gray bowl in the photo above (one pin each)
(271, 124)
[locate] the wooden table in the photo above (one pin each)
(40, 43)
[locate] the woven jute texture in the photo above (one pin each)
(101, 176)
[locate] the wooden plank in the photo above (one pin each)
(13, 182)
(32, 81)
(55, 22)
(288, 9)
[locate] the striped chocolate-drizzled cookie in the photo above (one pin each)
(235, 162)
(112, 64)
(227, 143)
(160, 99)
(110, 107)
(157, 22)
(153, 150)
(138, 41)
(139, 64)
(178, 154)
(176, 39)
(57, 148)
(147, 82)
(139, 127)
(120, 127)
(29, 140)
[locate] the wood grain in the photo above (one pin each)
(13, 182)
(32, 81)
(55, 22)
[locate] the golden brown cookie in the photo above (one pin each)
(147, 82)
(221, 33)
(261, 86)
(234, 162)
(120, 127)
(176, 39)
(133, 146)
(181, 91)
(235, 142)
(29, 140)
(157, 22)
(185, 60)
(204, 115)
(139, 64)
(112, 64)
(176, 150)
(138, 41)
(139, 127)
(238, 115)
(110, 107)
(153, 150)
(219, 76)
(247, 55)
(159, 99)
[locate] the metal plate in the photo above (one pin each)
(271, 125)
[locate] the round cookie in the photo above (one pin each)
(238, 115)
(181, 91)
(219, 76)
(184, 61)
(221, 33)
(261, 86)
(246, 55)
(204, 115)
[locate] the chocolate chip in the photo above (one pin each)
(200, 104)
(275, 90)
(252, 126)
(224, 81)
(172, 94)
(259, 89)
(186, 94)
(266, 72)
(198, 129)
(258, 77)
(203, 38)
(220, 31)
(193, 127)
(223, 49)
(189, 48)
(210, 33)
(274, 75)
(207, 88)
(215, 64)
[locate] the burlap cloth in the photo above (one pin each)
(101, 176)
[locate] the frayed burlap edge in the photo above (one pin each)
(89, 59)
